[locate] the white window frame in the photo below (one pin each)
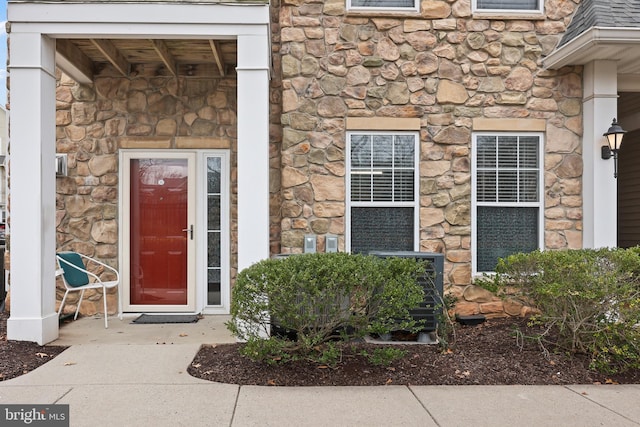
(416, 185)
(476, 9)
(474, 197)
(415, 8)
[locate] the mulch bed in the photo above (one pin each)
(19, 357)
(490, 353)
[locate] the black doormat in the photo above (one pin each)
(166, 318)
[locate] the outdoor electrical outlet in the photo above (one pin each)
(309, 243)
(331, 243)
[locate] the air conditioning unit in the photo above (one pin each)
(432, 283)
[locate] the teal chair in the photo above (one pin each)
(73, 268)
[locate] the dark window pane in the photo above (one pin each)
(503, 231)
(487, 153)
(529, 186)
(382, 3)
(376, 229)
(508, 152)
(404, 149)
(383, 187)
(508, 4)
(213, 249)
(361, 186)
(213, 287)
(382, 151)
(404, 186)
(529, 151)
(361, 151)
(507, 186)
(486, 186)
(213, 213)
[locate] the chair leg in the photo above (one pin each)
(64, 298)
(79, 303)
(104, 298)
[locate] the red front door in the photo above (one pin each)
(159, 232)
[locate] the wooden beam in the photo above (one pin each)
(73, 62)
(113, 55)
(217, 55)
(161, 49)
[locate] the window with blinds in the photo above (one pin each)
(410, 5)
(506, 197)
(382, 188)
(507, 5)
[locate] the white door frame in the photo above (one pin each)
(197, 262)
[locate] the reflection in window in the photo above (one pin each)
(382, 191)
(507, 197)
(214, 232)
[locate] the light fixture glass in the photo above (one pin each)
(614, 135)
(614, 138)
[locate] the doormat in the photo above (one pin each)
(165, 318)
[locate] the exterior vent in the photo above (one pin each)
(61, 164)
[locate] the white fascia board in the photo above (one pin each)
(579, 50)
(127, 31)
(139, 13)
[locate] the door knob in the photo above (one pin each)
(190, 230)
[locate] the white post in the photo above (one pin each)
(600, 201)
(33, 186)
(253, 149)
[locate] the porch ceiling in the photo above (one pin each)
(83, 59)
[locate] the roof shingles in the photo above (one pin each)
(603, 13)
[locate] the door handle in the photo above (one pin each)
(190, 230)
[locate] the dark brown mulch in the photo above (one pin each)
(19, 357)
(489, 354)
(486, 354)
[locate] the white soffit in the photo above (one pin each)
(610, 44)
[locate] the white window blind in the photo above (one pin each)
(507, 169)
(533, 5)
(383, 4)
(382, 168)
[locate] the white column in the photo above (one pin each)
(253, 149)
(600, 202)
(33, 186)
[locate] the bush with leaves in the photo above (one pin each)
(591, 297)
(320, 298)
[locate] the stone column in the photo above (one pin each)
(600, 201)
(253, 149)
(33, 188)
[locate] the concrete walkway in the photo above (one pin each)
(135, 375)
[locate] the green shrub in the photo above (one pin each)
(323, 297)
(590, 297)
(384, 356)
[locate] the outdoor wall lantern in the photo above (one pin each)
(614, 138)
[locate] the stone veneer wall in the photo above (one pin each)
(448, 69)
(93, 123)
